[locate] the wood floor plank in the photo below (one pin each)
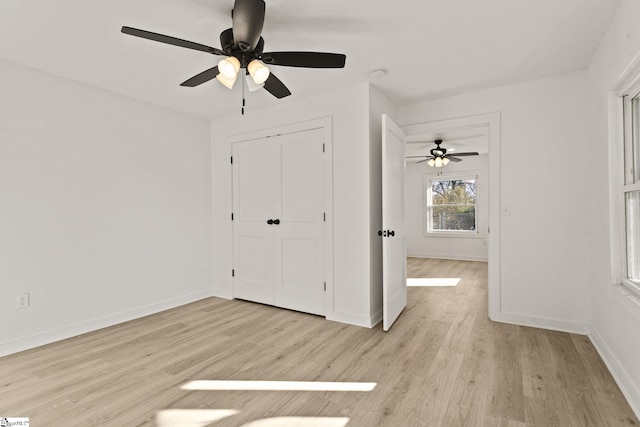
(507, 393)
(444, 363)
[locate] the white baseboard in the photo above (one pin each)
(451, 257)
(352, 319)
(223, 293)
(376, 318)
(95, 324)
(543, 323)
(630, 390)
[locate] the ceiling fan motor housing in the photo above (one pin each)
(230, 48)
(438, 151)
(226, 40)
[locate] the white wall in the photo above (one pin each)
(543, 167)
(349, 111)
(105, 208)
(615, 319)
(472, 248)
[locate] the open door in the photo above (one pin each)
(394, 263)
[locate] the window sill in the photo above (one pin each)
(628, 297)
(630, 289)
(457, 235)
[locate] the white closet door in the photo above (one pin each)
(253, 255)
(299, 205)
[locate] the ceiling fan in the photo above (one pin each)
(439, 156)
(242, 49)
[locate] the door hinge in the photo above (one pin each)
(233, 273)
(324, 216)
(323, 147)
(231, 216)
(325, 286)
(489, 230)
(231, 159)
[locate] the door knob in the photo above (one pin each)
(276, 221)
(391, 233)
(379, 232)
(269, 221)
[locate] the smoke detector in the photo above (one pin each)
(377, 74)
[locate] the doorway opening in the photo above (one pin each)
(452, 235)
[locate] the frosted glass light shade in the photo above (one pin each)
(251, 85)
(438, 162)
(229, 67)
(431, 162)
(445, 160)
(227, 82)
(258, 71)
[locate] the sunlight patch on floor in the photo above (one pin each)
(433, 281)
(277, 385)
(299, 422)
(191, 417)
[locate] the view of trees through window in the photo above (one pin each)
(453, 205)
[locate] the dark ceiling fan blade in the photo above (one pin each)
(248, 18)
(471, 153)
(305, 59)
(275, 87)
(416, 157)
(454, 159)
(171, 40)
(425, 160)
(203, 77)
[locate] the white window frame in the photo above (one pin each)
(427, 206)
(620, 164)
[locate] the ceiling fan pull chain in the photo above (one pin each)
(243, 102)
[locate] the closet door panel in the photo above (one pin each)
(254, 266)
(299, 237)
(252, 181)
(301, 177)
(253, 253)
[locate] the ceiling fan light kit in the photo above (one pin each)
(439, 156)
(252, 85)
(227, 82)
(229, 67)
(242, 48)
(258, 71)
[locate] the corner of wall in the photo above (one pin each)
(622, 377)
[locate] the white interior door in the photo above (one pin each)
(394, 276)
(299, 205)
(253, 253)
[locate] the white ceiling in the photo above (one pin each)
(429, 48)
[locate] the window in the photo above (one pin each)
(451, 205)
(631, 188)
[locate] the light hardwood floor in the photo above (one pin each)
(442, 364)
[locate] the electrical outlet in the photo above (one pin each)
(22, 301)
